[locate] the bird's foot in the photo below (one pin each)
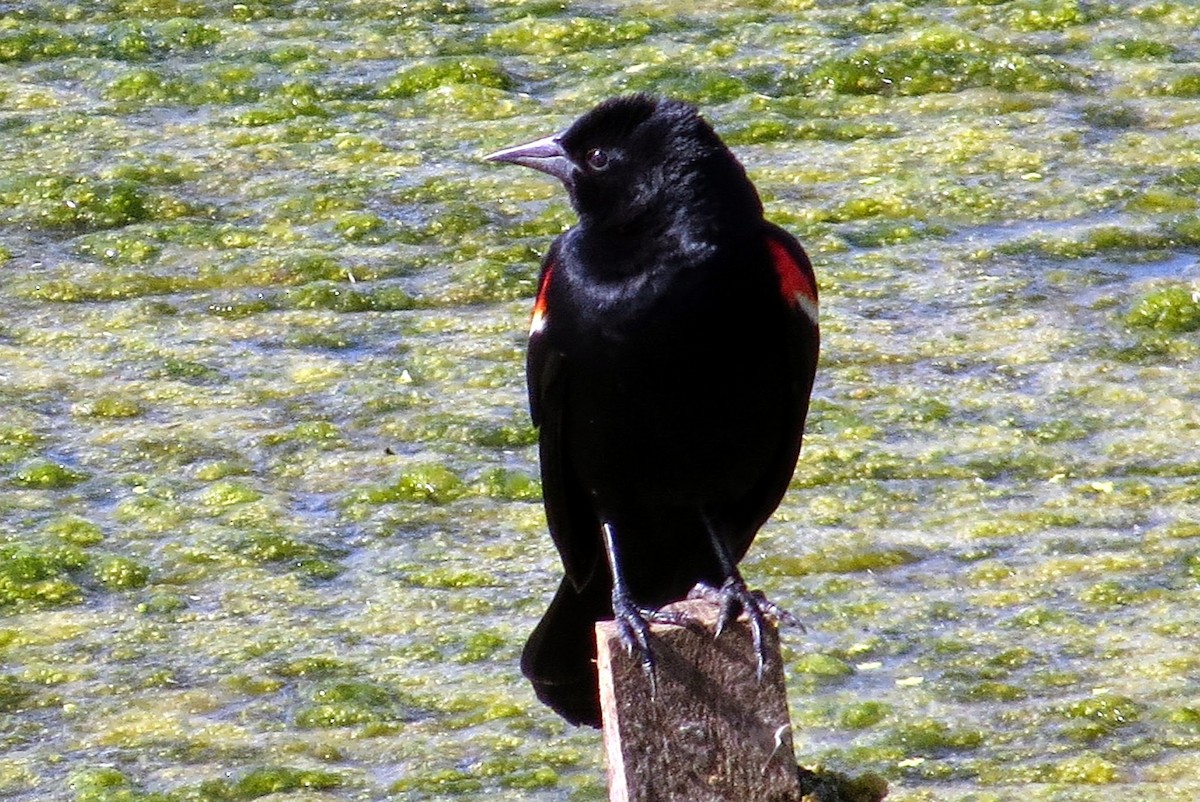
(633, 630)
(734, 597)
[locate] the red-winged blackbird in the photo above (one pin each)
(671, 355)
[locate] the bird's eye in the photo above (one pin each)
(597, 159)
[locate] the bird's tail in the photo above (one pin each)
(560, 656)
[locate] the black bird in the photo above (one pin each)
(671, 356)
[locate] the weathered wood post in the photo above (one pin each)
(709, 731)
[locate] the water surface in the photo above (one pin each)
(269, 511)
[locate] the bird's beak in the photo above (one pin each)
(545, 155)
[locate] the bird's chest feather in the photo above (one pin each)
(663, 354)
(649, 306)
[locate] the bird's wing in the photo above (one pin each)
(798, 286)
(541, 360)
(569, 515)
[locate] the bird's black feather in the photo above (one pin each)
(671, 357)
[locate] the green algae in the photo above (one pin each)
(843, 561)
(75, 530)
(508, 485)
(1171, 310)
(423, 77)
(535, 36)
(112, 785)
(1046, 15)
(931, 736)
(113, 406)
(280, 779)
(347, 704)
(432, 483)
(822, 667)
(439, 781)
(1094, 718)
(271, 521)
(121, 573)
(941, 59)
(864, 714)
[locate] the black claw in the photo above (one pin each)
(671, 617)
(772, 609)
(633, 630)
(734, 598)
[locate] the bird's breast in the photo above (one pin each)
(678, 392)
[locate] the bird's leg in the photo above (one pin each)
(631, 620)
(733, 596)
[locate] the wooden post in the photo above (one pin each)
(711, 732)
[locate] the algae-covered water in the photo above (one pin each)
(269, 508)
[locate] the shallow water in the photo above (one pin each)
(269, 520)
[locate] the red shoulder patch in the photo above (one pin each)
(537, 320)
(796, 280)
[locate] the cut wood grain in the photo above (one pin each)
(708, 730)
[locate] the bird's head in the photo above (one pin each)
(639, 158)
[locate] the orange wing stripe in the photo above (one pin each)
(792, 279)
(795, 281)
(537, 320)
